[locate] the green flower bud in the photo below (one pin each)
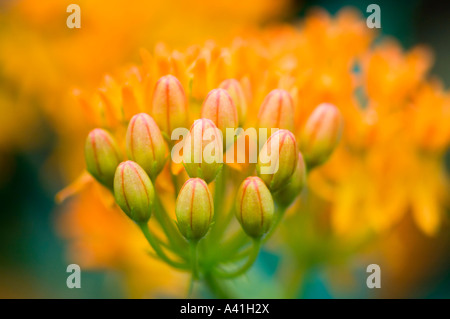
(146, 145)
(194, 209)
(277, 159)
(169, 106)
(289, 192)
(219, 107)
(254, 207)
(202, 150)
(134, 191)
(237, 94)
(102, 156)
(321, 134)
(277, 111)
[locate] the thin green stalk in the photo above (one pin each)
(173, 235)
(174, 180)
(216, 289)
(244, 268)
(233, 245)
(158, 250)
(193, 244)
(278, 217)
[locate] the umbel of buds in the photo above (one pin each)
(102, 156)
(169, 107)
(289, 192)
(277, 111)
(146, 145)
(219, 107)
(254, 207)
(194, 209)
(277, 159)
(234, 89)
(202, 150)
(134, 191)
(321, 134)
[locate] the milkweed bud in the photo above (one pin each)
(146, 145)
(169, 107)
(287, 193)
(194, 209)
(219, 107)
(134, 191)
(234, 89)
(277, 159)
(277, 111)
(202, 150)
(102, 156)
(254, 207)
(321, 134)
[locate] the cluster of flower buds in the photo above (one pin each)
(281, 168)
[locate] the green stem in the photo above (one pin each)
(250, 261)
(278, 217)
(174, 181)
(173, 235)
(194, 262)
(217, 290)
(233, 245)
(158, 250)
(219, 193)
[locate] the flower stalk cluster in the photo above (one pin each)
(201, 240)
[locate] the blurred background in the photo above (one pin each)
(33, 256)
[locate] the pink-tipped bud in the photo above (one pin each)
(169, 108)
(203, 151)
(134, 191)
(277, 159)
(289, 192)
(146, 145)
(254, 207)
(321, 134)
(102, 156)
(219, 107)
(234, 89)
(194, 209)
(277, 111)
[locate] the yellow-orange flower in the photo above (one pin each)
(388, 164)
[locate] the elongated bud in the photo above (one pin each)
(146, 145)
(194, 209)
(219, 107)
(277, 111)
(134, 191)
(169, 108)
(254, 207)
(277, 159)
(321, 134)
(202, 150)
(289, 192)
(234, 89)
(102, 156)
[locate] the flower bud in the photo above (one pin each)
(202, 150)
(321, 134)
(289, 192)
(169, 108)
(277, 159)
(134, 191)
(146, 145)
(102, 156)
(234, 89)
(254, 207)
(219, 107)
(194, 209)
(277, 111)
